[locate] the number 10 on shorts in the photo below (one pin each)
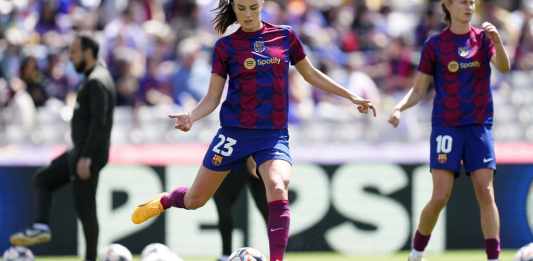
(226, 143)
(444, 144)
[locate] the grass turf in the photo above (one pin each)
(447, 256)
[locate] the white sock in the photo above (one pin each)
(493, 259)
(223, 258)
(41, 226)
(416, 253)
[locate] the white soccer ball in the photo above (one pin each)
(18, 253)
(153, 248)
(158, 252)
(246, 254)
(116, 252)
(525, 253)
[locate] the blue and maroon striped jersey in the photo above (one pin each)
(258, 67)
(460, 66)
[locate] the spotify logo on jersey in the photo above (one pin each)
(249, 63)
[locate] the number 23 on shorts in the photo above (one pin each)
(224, 146)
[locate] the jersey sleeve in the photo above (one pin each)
(296, 50)
(427, 59)
(220, 59)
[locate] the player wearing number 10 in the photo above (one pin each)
(458, 61)
(253, 117)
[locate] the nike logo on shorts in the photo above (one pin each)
(487, 160)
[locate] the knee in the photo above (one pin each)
(279, 187)
(440, 200)
(485, 196)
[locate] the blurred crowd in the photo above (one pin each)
(159, 52)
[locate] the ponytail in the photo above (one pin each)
(225, 16)
(447, 15)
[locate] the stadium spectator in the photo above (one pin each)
(192, 74)
(523, 52)
(18, 109)
(35, 82)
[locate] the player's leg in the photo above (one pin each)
(482, 180)
(275, 173)
(223, 153)
(446, 150)
(442, 188)
(204, 186)
(84, 192)
(45, 182)
(225, 198)
(480, 162)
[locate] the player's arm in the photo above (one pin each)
(500, 59)
(415, 94)
(320, 80)
(211, 100)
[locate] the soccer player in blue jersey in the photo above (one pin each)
(458, 60)
(253, 117)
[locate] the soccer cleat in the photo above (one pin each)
(147, 210)
(31, 236)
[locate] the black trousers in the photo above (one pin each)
(228, 193)
(61, 171)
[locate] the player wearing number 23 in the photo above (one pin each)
(256, 59)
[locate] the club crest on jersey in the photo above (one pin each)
(250, 63)
(453, 66)
(442, 158)
(464, 51)
(217, 160)
(259, 46)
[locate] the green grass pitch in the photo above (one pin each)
(447, 256)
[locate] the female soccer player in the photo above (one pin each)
(458, 61)
(253, 117)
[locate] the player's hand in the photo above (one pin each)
(83, 168)
(363, 105)
(394, 118)
(492, 32)
(182, 121)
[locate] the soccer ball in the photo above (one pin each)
(525, 253)
(246, 254)
(18, 253)
(158, 252)
(116, 252)
(153, 249)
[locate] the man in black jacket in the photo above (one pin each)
(90, 132)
